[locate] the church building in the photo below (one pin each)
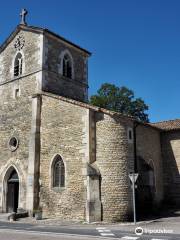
(68, 158)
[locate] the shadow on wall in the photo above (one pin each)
(145, 192)
(171, 168)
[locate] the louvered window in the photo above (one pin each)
(67, 66)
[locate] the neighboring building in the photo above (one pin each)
(64, 155)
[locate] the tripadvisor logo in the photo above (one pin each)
(138, 231)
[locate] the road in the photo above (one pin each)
(24, 231)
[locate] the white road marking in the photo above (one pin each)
(105, 230)
(129, 238)
(158, 239)
(107, 234)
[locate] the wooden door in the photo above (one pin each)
(12, 196)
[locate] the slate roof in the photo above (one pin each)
(168, 125)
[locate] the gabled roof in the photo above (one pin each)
(168, 125)
(84, 105)
(96, 109)
(160, 126)
(40, 31)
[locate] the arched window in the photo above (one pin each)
(58, 172)
(18, 63)
(67, 66)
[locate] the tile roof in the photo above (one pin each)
(168, 125)
(159, 126)
(84, 105)
(97, 109)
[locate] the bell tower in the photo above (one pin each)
(65, 67)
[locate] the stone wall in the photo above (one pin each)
(91, 144)
(16, 111)
(112, 159)
(63, 132)
(171, 166)
(85, 138)
(53, 80)
(31, 53)
(15, 120)
(149, 154)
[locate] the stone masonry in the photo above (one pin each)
(44, 114)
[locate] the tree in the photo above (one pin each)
(120, 99)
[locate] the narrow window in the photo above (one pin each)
(67, 66)
(16, 93)
(18, 65)
(130, 135)
(58, 172)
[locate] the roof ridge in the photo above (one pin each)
(93, 107)
(168, 125)
(170, 120)
(41, 30)
(83, 104)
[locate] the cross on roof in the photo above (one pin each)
(23, 14)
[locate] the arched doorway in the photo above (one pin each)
(12, 192)
(146, 190)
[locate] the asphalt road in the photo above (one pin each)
(18, 231)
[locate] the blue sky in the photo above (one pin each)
(135, 43)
